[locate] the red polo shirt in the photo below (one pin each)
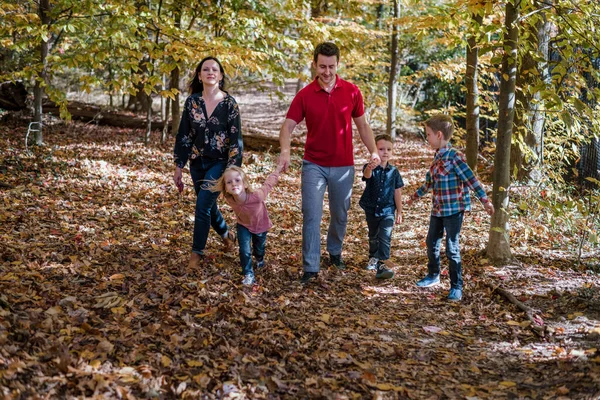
(329, 121)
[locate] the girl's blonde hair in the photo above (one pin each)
(219, 184)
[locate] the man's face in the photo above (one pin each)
(326, 67)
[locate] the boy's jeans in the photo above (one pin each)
(315, 179)
(207, 213)
(452, 225)
(245, 239)
(380, 235)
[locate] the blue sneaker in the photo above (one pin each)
(429, 281)
(259, 264)
(248, 280)
(372, 265)
(455, 295)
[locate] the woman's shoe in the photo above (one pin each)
(195, 261)
(229, 240)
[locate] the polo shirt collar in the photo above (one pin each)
(318, 86)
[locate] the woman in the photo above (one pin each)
(210, 136)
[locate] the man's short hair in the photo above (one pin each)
(442, 123)
(384, 136)
(327, 49)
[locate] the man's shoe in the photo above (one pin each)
(307, 277)
(372, 265)
(429, 281)
(248, 280)
(337, 262)
(455, 295)
(383, 272)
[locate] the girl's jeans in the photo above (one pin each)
(315, 179)
(452, 225)
(251, 244)
(380, 235)
(207, 213)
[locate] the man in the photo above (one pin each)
(329, 104)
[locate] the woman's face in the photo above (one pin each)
(234, 184)
(210, 73)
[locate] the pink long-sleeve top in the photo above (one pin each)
(253, 213)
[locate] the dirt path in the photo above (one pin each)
(96, 299)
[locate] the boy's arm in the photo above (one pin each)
(398, 201)
(465, 173)
(367, 172)
(421, 191)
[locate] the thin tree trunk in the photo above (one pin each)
(498, 248)
(165, 130)
(529, 118)
(175, 108)
(393, 81)
(38, 91)
(471, 82)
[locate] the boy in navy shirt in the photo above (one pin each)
(382, 202)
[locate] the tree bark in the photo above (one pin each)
(471, 81)
(38, 90)
(393, 80)
(529, 116)
(498, 248)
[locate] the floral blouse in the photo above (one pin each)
(217, 137)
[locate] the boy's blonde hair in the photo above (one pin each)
(219, 184)
(442, 123)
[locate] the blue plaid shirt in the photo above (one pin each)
(450, 179)
(378, 197)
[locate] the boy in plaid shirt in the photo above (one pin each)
(450, 179)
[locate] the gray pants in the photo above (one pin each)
(339, 182)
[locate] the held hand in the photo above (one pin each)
(398, 217)
(489, 208)
(375, 160)
(283, 161)
(177, 178)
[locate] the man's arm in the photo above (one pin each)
(366, 135)
(285, 137)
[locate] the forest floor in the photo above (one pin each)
(96, 300)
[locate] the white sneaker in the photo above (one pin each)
(372, 265)
(248, 280)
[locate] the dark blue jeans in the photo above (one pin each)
(251, 244)
(380, 235)
(452, 225)
(207, 213)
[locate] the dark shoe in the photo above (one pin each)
(372, 265)
(383, 272)
(307, 277)
(337, 262)
(429, 281)
(248, 280)
(455, 295)
(259, 264)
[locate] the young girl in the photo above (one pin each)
(252, 218)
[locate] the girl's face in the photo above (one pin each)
(385, 150)
(210, 73)
(234, 184)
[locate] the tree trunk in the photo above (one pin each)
(38, 91)
(498, 248)
(527, 149)
(148, 120)
(175, 108)
(471, 82)
(165, 130)
(393, 81)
